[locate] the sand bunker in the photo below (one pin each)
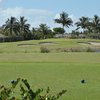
(84, 43)
(95, 43)
(46, 43)
(40, 43)
(90, 43)
(26, 44)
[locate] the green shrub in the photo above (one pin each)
(89, 49)
(76, 49)
(25, 51)
(44, 50)
(73, 49)
(26, 92)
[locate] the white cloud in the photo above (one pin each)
(57, 16)
(73, 18)
(34, 16)
(11, 12)
(22, 11)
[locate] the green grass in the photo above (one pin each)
(35, 47)
(58, 76)
(57, 70)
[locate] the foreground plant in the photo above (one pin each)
(25, 92)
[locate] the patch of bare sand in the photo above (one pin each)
(95, 43)
(40, 43)
(47, 43)
(90, 43)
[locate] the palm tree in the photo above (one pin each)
(64, 20)
(44, 30)
(11, 26)
(24, 27)
(82, 23)
(96, 24)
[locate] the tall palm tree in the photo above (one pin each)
(44, 29)
(96, 23)
(11, 26)
(83, 23)
(64, 20)
(24, 27)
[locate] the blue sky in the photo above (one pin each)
(44, 11)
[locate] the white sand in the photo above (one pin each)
(95, 43)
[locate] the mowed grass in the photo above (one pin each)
(58, 76)
(58, 70)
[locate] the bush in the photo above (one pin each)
(25, 92)
(89, 49)
(11, 39)
(76, 49)
(73, 49)
(44, 50)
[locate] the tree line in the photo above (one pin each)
(19, 28)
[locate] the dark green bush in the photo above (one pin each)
(89, 49)
(11, 39)
(44, 50)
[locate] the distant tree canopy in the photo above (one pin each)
(15, 27)
(42, 32)
(90, 26)
(64, 20)
(20, 28)
(58, 30)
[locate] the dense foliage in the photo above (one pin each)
(58, 30)
(26, 92)
(85, 28)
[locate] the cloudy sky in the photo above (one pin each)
(44, 11)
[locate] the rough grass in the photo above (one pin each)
(34, 46)
(57, 70)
